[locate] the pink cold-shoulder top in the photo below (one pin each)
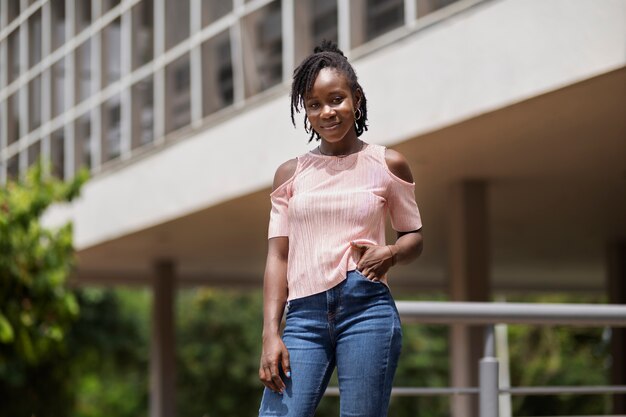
(331, 201)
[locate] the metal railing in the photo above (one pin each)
(490, 314)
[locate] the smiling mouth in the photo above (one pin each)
(331, 126)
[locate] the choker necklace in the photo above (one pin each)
(319, 148)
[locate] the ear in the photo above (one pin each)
(357, 96)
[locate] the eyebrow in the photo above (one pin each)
(333, 92)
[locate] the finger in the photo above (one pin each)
(276, 379)
(267, 379)
(359, 246)
(286, 365)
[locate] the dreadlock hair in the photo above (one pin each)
(326, 55)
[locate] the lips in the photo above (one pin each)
(331, 126)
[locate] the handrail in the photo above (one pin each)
(489, 314)
(518, 313)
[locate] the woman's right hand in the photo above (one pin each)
(274, 356)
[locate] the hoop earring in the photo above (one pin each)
(359, 112)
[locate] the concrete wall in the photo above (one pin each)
(481, 59)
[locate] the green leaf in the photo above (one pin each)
(6, 330)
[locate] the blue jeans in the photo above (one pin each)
(354, 326)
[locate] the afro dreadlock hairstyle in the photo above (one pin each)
(326, 55)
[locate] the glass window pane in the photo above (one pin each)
(177, 22)
(82, 140)
(111, 51)
(143, 35)
(34, 103)
(14, 56)
(262, 49)
(372, 18)
(34, 152)
(214, 9)
(112, 128)
(83, 71)
(108, 5)
(13, 10)
(383, 16)
(59, 102)
(143, 113)
(13, 167)
(34, 38)
(316, 20)
(57, 153)
(58, 23)
(177, 97)
(425, 7)
(83, 14)
(13, 110)
(217, 73)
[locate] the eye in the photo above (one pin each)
(313, 105)
(337, 99)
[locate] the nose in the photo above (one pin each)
(328, 111)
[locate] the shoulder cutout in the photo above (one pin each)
(284, 172)
(398, 165)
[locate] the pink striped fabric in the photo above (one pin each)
(331, 201)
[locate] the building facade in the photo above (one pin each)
(511, 114)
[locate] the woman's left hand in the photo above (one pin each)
(374, 261)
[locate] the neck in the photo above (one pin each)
(340, 148)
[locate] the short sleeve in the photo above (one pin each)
(405, 216)
(279, 215)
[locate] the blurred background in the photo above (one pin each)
(511, 113)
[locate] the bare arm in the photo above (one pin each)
(376, 260)
(275, 292)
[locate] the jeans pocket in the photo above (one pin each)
(362, 276)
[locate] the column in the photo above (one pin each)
(616, 287)
(468, 281)
(162, 343)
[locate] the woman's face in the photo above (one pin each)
(330, 106)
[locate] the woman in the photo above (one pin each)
(327, 260)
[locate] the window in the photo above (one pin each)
(57, 153)
(111, 52)
(108, 5)
(13, 125)
(14, 56)
(217, 73)
(425, 7)
(177, 22)
(143, 113)
(34, 38)
(59, 102)
(372, 18)
(143, 35)
(316, 20)
(262, 49)
(112, 128)
(34, 153)
(13, 10)
(13, 167)
(212, 10)
(58, 23)
(34, 103)
(83, 71)
(178, 94)
(82, 141)
(83, 14)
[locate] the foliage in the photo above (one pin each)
(218, 337)
(108, 353)
(560, 355)
(36, 308)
